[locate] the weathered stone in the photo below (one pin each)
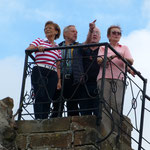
(105, 145)
(7, 123)
(89, 136)
(21, 141)
(40, 126)
(85, 122)
(2, 148)
(59, 140)
(9, 134)
(68, 133)
(87, 147)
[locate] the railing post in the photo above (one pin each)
(142, 115)
(101, 91)
(123, 96)
(23, 86)
(61, 100)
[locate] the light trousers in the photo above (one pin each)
(112, 101)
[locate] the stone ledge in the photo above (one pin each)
(40, 126)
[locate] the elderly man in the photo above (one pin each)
(85, 71)
(67, 91)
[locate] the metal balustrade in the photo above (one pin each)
(134, 95)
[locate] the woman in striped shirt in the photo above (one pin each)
(45, 76)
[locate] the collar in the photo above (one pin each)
(46, 40)
(118, 45)
(63, 43)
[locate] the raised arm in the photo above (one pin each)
(91, 27)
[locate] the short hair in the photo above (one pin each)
(111, 27)
(56, 26)
(67, 28)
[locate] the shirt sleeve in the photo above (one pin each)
(59, 54)
(101, 51)
(36, 42)
(127, 53)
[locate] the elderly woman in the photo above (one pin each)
(45, 76)
(114, 77)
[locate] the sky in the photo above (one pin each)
(22, 21)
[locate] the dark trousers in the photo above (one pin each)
(44, 82)
(89, 99)
(67, 94)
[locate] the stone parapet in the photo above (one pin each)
(70, 133)
(67, 133)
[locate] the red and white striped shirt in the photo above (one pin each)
(47, 57)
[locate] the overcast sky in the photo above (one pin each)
(21, 21)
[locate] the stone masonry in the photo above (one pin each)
(68, 133)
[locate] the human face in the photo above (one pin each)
(50, 31)
(115, 35)
(96, 36)
(71, 34)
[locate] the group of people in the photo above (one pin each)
(73, 76)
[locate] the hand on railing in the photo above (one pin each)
(41, 48)
(112, 57)
(100, 59)
(131, 72)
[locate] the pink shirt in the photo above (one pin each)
(111, 70)
(46, 57)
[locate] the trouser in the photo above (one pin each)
(67, 95)
(44, 82)
(112, 97)
(89, 99)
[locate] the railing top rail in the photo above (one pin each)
(90, 45)
(68, 47)
(125, 61)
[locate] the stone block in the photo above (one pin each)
(40, 126)
(83, 122)
(87, 137)
(54, 140)
(86, 147)
(21, 141)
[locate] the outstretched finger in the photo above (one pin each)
(94, 21)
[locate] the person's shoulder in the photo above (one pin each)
(61, 43)
(38, 39)
(123, 46)
(77, 43)
(102, 48)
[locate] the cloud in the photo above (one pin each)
(12, 10)
(107, 2)
(11, 77)
(41, 14)
(138, 42)
(9, 10)
(145, 8)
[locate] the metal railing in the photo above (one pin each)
(135, 89)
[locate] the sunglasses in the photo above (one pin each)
(116, 33)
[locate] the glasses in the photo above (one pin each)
(116, 33)
(95, 32)
(49, 28)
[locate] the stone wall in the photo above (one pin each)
(68, 133)
(7, 124)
